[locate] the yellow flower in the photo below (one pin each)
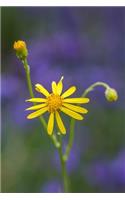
(19, 45)
(21, 49)
(56, 102)
(111, 94)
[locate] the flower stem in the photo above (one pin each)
(91, 87)
(63, 166)
(29, 83)
(72, 123)
(56, 143)
(71, 139)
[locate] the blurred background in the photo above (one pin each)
(85, 45)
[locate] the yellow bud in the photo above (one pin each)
(21, 49)
(19, 45)
(111, 94)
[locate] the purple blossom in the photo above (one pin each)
(108, 175)
(10, 85)
(18, 112)
(61, 48)
(98, 174)
(53, 186)
(117, 167)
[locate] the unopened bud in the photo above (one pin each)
(21, 49)
(111, 94)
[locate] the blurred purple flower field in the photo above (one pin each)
(85, 45)
(108, 174)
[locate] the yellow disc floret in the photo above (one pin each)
(54, 102)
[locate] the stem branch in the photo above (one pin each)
(72, 123)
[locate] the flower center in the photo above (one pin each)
(54, 102)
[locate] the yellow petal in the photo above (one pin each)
(36, 107)
(75, 108)
(50, 124)
(54, 87)
(60, 86)
(60, 123)
(69, 92)
(37, 113)
(71, 113)
(36, 100)
(76, 100)
(41, 89)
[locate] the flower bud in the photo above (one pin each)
(21, 49)
(111, 94)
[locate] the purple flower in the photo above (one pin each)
(117, 167)
(52, 187)
(10, 85)
(109, 176)
(18, 112)
(98, 174)
(59, 48)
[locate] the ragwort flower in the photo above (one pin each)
(56, 102)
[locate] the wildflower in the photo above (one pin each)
(56, 102)
(111, 94)
(21, 49)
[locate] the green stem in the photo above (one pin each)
(91, 87)
(71, 139)
(63, 166)
(56, 143)
(29, 83)
(72, 123)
